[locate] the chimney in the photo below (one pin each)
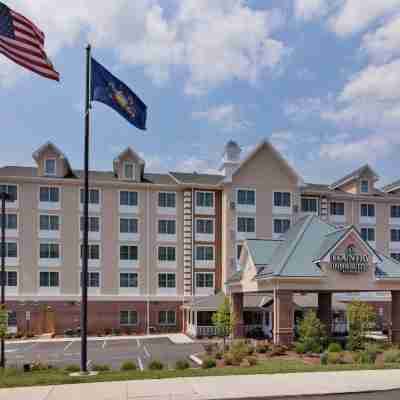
(231, 159)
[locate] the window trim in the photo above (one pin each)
(162, 208)
(246, 206)
(202, 260)
(274, 206)
(128, 263)
(6, 283)
(361, 186)
(367, 204)
(14, 203)
(129, 319)
(94, 288)
(51, 288)
(166, 262)
(167, 323)
(316, 212)
(55, 166)
(368, 230)
(205, 219)
(91, 205)
(247, 217)
(129, 288)
(166, 288)
(50, 205)
(205, 207)
(205, 288)
(282, 218)
(168, 235)
(127, 206)
(49, 214)
(133, 164)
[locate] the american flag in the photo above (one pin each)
(22, 42)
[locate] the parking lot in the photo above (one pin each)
(112, 352)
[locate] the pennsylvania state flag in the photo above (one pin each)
(108, 89)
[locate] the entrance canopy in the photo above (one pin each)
(314, 256)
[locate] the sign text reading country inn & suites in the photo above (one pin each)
(350, 262)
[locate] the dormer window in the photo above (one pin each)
(129, 171)
(364, 186)
(50, 166)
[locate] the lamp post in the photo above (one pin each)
(4, 197)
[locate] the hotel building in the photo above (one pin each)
(162, 246)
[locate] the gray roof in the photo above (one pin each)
(330, 241)
(388, 268)
(262, 250)
(195, 178)
(391, 186)
(353, 175)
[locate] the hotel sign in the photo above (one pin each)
(350, 262)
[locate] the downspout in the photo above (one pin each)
(148, 260)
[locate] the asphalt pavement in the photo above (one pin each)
(107, 351)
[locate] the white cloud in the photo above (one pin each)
(343, 148)
(310, 9)
(228, 116)
(211, 41)
(383, 44)
(356, 15)
(194, 164)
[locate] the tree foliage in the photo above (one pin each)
(224, 319)
(361, 318)
(3, 321)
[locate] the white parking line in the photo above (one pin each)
(138, 343)
(88, 364)
(140, 363)
(68, 346)
(104, 344)
(146, 352)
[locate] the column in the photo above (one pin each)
(395, 317)
(237, 308)
(324, 312)
(283, 317)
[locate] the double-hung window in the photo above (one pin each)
(129, 170)
(128, 317)
(205, 199)
(364, 186)
(93, 279)
(205, 226)
(11, 249)
(128, 225)
(368, 234)
(205, 253)
(281, 225)
(93, 251)
(49, 222)
(167, 200)
(336, 208)
(49, 251)
(128, 198)
(395, 211)
(49, 279)
(128, 280)
(11, 278)
(395, 235)
(167, 280)
(246, 197)
(167, 318)
(11, 221)
(128, 253)
(282, 199)
(367, 210)
(167, 227)
(50, 166)
(94, 224)
(49, 194)
(11, 190)
(94, 196)
(166, 253)
(246, 225)
(309, 205)
(204, 280)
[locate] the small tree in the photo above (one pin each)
(360, 317)
(3, 321)
(312, 333)
(224, 320)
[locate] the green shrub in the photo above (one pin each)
(299, 348)
(72, 368)
(278, 350)
(312, 333)
(324, 358)
(334, 348)
(209, 362)
(250, 350)
(252, 360)
(335, 358)
(361, 318)
(100, 367)
(391, 356)
(219, 355)
(39, 366)
(228, 359)
(128, 366)
(156, 365)
(239, 351)
(209, 348)
(182, 364)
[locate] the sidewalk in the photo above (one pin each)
(209, 388)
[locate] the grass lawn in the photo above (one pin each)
(15, 378)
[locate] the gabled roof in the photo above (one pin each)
(392, 186)
(197, 179)
(127, 152)
(388, 268)
(267, 144)
(50, 146)
(354, 175)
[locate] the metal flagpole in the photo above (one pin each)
(4, 196)
(85, 252)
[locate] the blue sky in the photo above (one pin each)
(319, 78)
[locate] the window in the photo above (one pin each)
(166, 253)
(11, 190)
(167, 199)
(50, 166)
(93, 280)
(337, 208)
(11, 249)
(239, 248)
(167, 317)
(94, 196)
(204, 199)
(49, 279)
(49, 194)
(93, 250)
(128, 252)
(128, 280)
(395, 256)
(368, 234)
(94, 224)
(129, 170)
(309, 205)
(205, 253)
(11, 278)
(11, 221)
(166, 280)
(12, 319)
(204, 280)
(49, 250)
(128, 225)
(246, 197)
(364, 186)
(395, 235)
(205, 226)
(167, 227)
(281, 199)
(49, 222)
(128, 317)
(246, 224)
(281, 225)
(395, 211)
(368, 210)
(127, 198)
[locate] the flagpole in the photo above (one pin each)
(85, 219)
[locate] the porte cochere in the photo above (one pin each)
(312, 257)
